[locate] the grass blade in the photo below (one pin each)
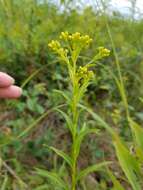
(63, 155)
(53, 177)
(129, 164)
(99, 119)
(116, 183)
(63, 94)
(36, 121)
(137, 132)
(91, 169)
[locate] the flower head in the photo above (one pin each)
(82, 40)
(85, 73)
(58, 49)
(54, 45)
(103, 52)
(74, 43)
(64, 36)
(86, 39)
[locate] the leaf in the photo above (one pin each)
(53, 177)
(31, 126)
(4, 184)
(141, 99)
(82, 90)
(90, 169)
(121, 88)
(137, 132)
(129, 164)
(36, 121)
(84, 131)
(116, 183)
(63, 94)
(42, 187)
(67, 118)
(63, 155)
(99, 119)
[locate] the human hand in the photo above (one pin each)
(7, 87)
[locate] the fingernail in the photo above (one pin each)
(17, 91)
(10, 78)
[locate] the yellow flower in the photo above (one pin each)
(54, 45)
(74, 44)
(76, 36)
(86, 39)
(64, 36)
(63, 53)
(57, 48)
(84, 73)
(82, 40)
(103, 52)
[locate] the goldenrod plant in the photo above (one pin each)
(80, 76)
(115, 93)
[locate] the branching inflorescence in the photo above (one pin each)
(68, 49)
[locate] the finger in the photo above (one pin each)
(5, 80)
(10, 92)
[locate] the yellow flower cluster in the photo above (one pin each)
(103, 52)
(56, 46)
(75, 41)
(76, 37)
(84, 73)
(64, 36)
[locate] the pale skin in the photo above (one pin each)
(7, 88)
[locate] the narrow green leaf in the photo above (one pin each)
(141, 99)
(82, 90)
(36, 121)
(25, 82)
(116, 183)
(84, 131)
(63, 94)
(91, 169)
(99, 119)
(139, 154)
(122, 91)
(53, 177)
(63, 155)
(42, 187)
(129, 164)
(67, 118)
(137, 132)
(31, 126)
(4, 184)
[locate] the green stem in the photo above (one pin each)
(122, 87)
(120, 81)
(75, 124)
(74, 166)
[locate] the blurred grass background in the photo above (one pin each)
(26, 27)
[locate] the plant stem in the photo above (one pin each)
(74, 168)
(75, 124)
(120, 81)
